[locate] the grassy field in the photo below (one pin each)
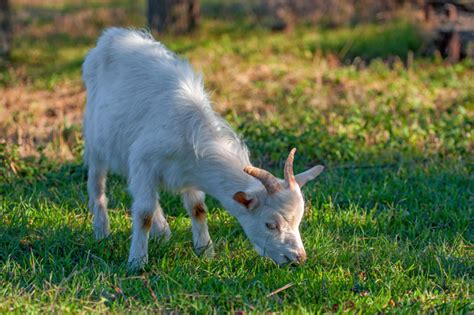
(388, 225)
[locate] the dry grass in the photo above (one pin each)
(36, 119)
(248, 71)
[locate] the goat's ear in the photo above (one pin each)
(246, 200)
(312, 173)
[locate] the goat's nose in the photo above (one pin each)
(301, 256)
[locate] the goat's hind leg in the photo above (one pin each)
(160, 228)
(96, 184)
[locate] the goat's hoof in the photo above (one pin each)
(163, 235)
(206, 251)
(101, 232)
(137, 264)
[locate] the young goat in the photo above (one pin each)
(149, 118)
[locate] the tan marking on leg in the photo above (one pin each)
(199, 212)
(147, 221)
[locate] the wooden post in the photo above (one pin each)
(194, 14)
(175, 16)
(156, 15)
(429, 12)
(453, 48)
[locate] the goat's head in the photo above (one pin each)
(274, 213)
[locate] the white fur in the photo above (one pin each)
(149, 118)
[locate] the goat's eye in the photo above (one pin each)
(271, 226)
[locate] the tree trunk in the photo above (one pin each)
(175, 16)
(5, 30)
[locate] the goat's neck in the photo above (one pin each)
(222, 179)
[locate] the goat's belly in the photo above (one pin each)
(108, 151)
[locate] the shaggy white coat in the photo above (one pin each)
(149, 118)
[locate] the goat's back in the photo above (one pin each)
(143, 100)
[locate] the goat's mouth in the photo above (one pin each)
(281, 260)
(289, 262)
(285, 261)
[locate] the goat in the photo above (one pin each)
(149, 118)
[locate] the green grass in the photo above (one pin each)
(377, 239)
(388, 226)
(370, 41)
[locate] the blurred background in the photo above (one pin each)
(346, 70)
(380, 92)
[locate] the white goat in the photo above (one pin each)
(149, 118)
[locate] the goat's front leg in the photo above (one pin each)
(194, 203)
(142, 216)
(144, 208)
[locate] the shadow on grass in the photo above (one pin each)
(415, 216)
(45, 213)
(62, 248)
(406, 200)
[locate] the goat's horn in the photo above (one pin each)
(289, 175)
(271, 183)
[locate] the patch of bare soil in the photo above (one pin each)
(43, 119)
(40, 22)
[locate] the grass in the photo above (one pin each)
(379, 239)
(388, 225)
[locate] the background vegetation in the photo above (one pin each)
(388, 226)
